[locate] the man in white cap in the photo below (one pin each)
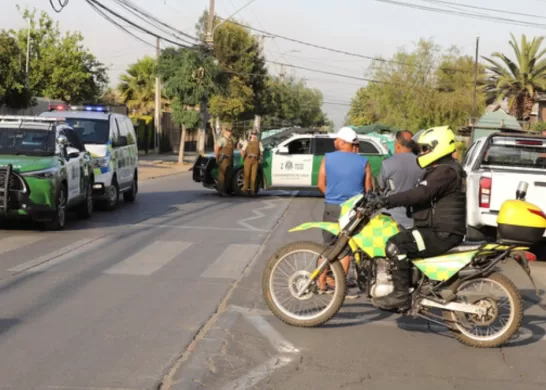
(343, 174)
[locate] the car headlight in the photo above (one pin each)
(102, 162)
(42, 173)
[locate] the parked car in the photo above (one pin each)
(494, 166)
(112, 142)
(290, 161)
(45, 170)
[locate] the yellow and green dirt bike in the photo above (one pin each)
(462, 289)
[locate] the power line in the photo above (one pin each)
(379, 59)
(467, 14)
(106, 9)
(329, 73)
(61, 5)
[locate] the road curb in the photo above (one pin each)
(160, 176)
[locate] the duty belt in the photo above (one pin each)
(253, 155)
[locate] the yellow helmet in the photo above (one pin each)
(435, 143)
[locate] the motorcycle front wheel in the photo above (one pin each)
(504, 315)
(287, 271)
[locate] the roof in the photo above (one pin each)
(77, 114)
(498, 120)
(30, 122)
(376, 127)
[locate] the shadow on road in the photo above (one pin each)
(7, 323)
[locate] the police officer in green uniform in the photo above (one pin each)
(252, 154)
(224, 158)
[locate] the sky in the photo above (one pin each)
(368, 27)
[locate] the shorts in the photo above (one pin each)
(331, 214)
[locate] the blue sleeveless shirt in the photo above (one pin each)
(345, 173)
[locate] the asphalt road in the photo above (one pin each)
(165, 293)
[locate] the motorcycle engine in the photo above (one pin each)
(383, 280)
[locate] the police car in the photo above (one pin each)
(44, 171)
(111, 140)
(291, 161)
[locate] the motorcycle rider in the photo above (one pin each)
(438, 208)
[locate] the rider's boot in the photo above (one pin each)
(400, 297)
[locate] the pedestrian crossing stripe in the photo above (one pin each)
(442, 268)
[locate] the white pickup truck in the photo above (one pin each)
(494, 166)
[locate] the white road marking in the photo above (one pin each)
(258, 373)
(149, 259)
(58, 256)
(261, 371)
(269, 204)
(9, 244)
(231, 263)
(201, 228)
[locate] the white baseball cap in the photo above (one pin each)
(346, 134)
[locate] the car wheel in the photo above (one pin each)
(130, 195)
(85, 210)
(59, 219)
(113, 195)
(237, 182)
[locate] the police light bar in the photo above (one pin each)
(57, 107)
(90, 108)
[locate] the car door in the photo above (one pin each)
(320, 146)
(122, 155)
(292, 163)
(73, 167)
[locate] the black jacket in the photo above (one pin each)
(439, 200)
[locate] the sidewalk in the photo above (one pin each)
(153, 166)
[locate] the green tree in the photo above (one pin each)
(238, 53)
(13, 91)
(418, 89)
(291, 102)
(189, 78)
(60, 66)
(518, 80)
(137, 87)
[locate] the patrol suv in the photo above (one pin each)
(111, 139)
(44, 170)
(291, 160)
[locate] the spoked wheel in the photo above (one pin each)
(287, 271)
(502, 320)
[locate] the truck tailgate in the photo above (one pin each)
(505, 184)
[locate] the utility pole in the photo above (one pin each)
(258, 118)
(157, 118)
(474, 113)
(27, 67)
(210, 23)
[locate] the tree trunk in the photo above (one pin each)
(181, 147)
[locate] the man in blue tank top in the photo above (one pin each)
(343, 174)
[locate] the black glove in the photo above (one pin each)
(382, 202)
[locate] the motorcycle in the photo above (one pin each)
(451, 283)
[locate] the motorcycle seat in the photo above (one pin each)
(466, 246)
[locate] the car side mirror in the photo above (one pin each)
(282, 150)
(121, 141)
(72, 152)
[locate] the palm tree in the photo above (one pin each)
(518, 81)
(137, 87)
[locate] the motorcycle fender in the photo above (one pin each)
(331, 227)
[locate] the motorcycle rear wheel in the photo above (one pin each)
(509, 329)
(292, 318)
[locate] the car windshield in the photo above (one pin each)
(30, 142)
(91, 131)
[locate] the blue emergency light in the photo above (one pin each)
(90, 108)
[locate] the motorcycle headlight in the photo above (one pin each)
(101, 162)
(42, 173)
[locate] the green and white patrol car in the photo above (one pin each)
(111, 140)
(45, 170)
(290, 160)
